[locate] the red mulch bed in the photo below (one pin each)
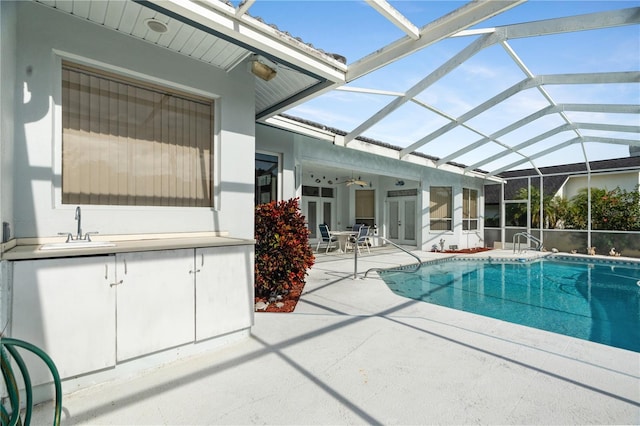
(290, 301)
(469, 250)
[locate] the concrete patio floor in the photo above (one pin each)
(355, 353)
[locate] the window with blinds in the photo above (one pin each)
(440, 208)
(469, 209)
(125, 142)
(365, 206)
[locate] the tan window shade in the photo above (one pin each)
(469, 209)
(365, 204)
(469, 203)
(440, 208)
(126, 143)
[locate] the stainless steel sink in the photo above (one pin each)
(74, 244)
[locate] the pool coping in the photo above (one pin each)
(527, 257)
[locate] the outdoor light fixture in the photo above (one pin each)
(156, 26)
(262, 71)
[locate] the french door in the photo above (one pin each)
(401, 220)
(318, 210)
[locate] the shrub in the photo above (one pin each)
(282, 252)
(617, 209)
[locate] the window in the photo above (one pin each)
(317, 191)
(469, 209)
(402, 193)
(125, 142)
(440, 208)
(365, 207)
(267, 172)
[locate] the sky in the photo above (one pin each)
(353, 29)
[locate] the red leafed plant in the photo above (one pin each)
(282, 252)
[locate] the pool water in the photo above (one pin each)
(594, 301)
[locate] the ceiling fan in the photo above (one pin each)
(354, 181)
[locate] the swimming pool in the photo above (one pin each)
(591, 300)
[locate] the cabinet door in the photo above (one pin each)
(155, 301)
(67, 308)
(224, 290)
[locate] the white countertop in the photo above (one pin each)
(31, 248)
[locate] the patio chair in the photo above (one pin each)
(360, 240)
(326, 238)
(11, 413)
(355, 228)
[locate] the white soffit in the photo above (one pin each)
(216, 34)
(252, 33)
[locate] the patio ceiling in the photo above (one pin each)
(558, 121)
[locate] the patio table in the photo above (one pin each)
(342, 238)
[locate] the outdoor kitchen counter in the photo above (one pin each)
(31, 248)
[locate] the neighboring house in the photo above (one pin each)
(564, 181)
(137, 120)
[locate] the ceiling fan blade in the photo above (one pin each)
(357, 182)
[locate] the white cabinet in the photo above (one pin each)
(91, 313)
(155, 299)
(224, 290)
(66, 307)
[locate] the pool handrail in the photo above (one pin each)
(527, 236)
(355, 257)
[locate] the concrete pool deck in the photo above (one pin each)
(355, 353)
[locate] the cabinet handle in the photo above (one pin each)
(118, 283)
(106, 271)
(125, 266)
(202, 261)
(194, 272)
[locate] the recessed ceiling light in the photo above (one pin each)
(156, 26)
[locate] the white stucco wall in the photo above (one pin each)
(457, 236)
(44, 36)
(7, 99)
(625, 180)
(7, 79)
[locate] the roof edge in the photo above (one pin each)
(320, 131)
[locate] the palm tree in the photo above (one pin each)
(553, 208)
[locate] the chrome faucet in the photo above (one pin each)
(78, 236)
(79, 219)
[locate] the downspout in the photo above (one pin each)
(529, 205)
(503, 221)
(586, 161)
(588, 205)
(541, 210)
